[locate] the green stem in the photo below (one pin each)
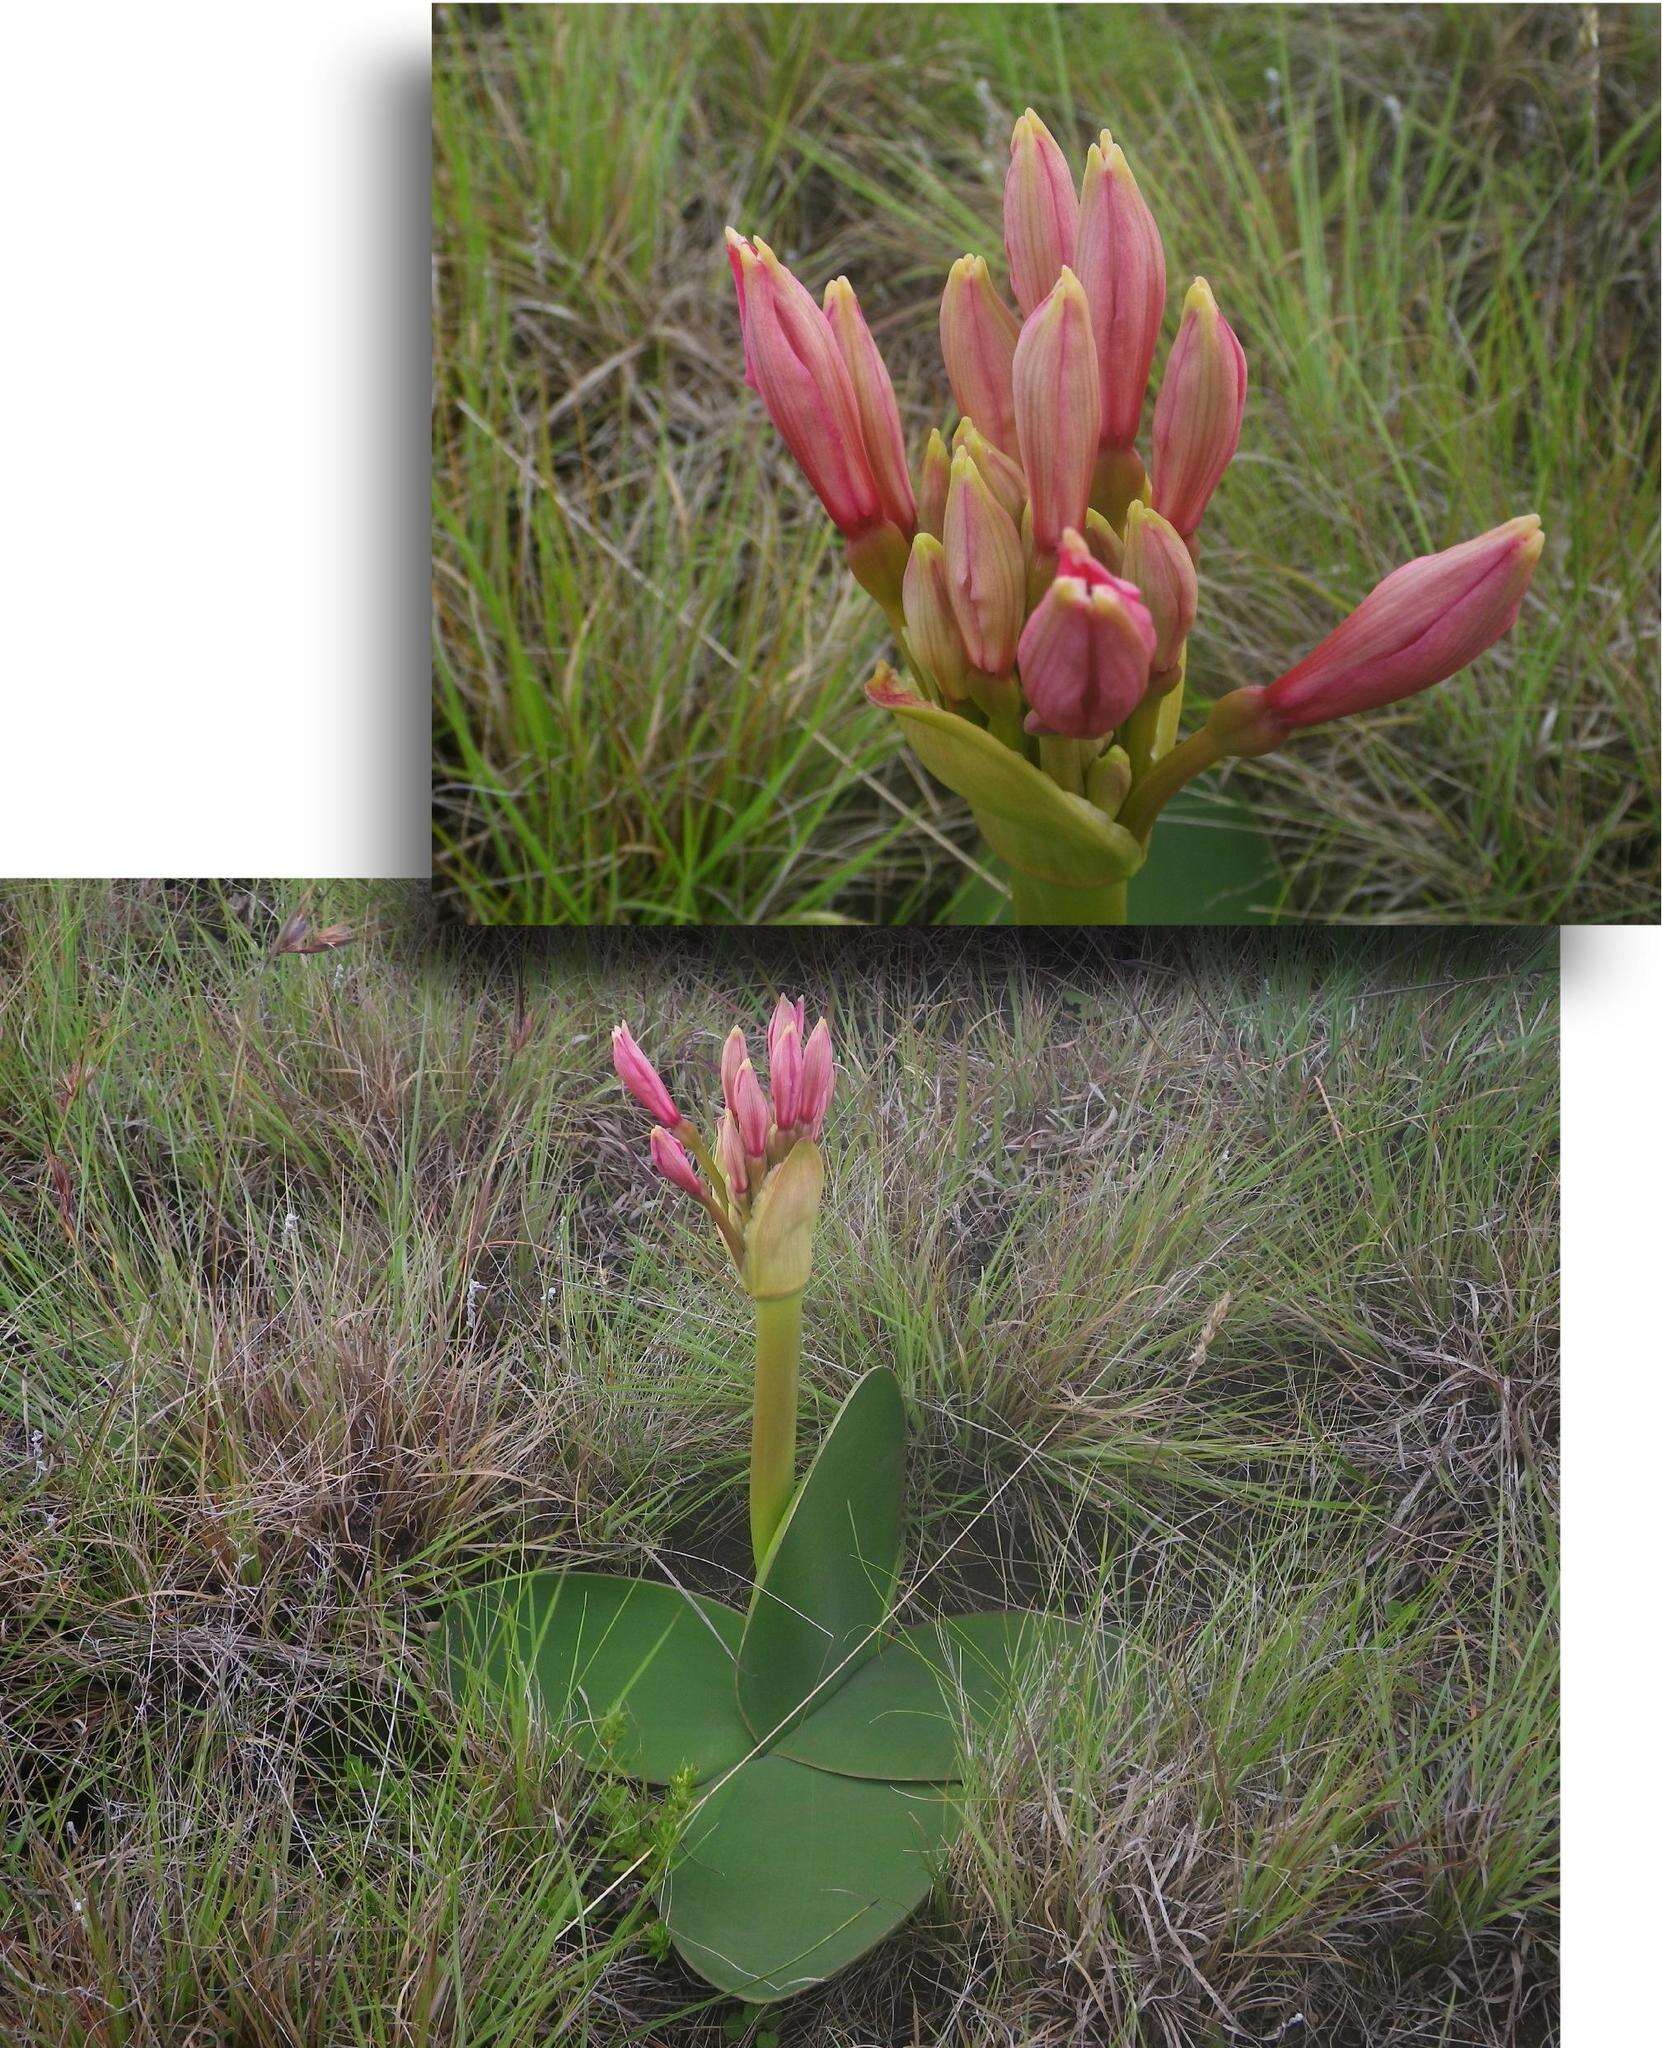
(1039, 902)
(1165, 778)
(1140, 736)
(1059, 759)
(773, 1422)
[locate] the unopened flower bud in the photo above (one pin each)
(1197, 417)
(1041, 211)
(669, 1156)
(978, 343)
(734, 1053)
(1422, 623)
(785, 1077)
(1085, 652)
(937, 475)
(750, 1111)
(931, 629)
(874, 396)
(1158, 562)
(730, 1160)
(1104, 543)
(986, 576)
(641, 1078)
(796, 366)
(1003, 473)
(1122, 267)
(818, 1075)
(1057, 409)
(786, 1015)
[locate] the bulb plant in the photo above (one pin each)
(1041, 580)
(812, 1743)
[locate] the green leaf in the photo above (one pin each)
(1029, 821)
(827, 1581)
(1208, 863)
(640, 1674)
(786, 1874)
(903, 1714)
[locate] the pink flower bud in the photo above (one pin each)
(1425, 621)
(978, 342)
(641, 1077)
(669, 1156)
(794, 362)
(1004, 475)
(1197, 417)
(1158, 562)
(785, 1076)
(986, 574)
(786, 1016)
(1085, 652)
(1123, 270)
(937, 645)
(749, 1109)
(937, 475)
(818, 1074)
(730, 1156)
(1058, 404)
(874, 395)
(734, 1053)
(1041, 211)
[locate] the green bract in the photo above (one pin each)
(823, 1738)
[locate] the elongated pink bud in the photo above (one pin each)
(926, 596)
(937, 475)
(1158, 563)
(1041, 211)
(1058, 405)
(986, 573)
(750, 1111)
(730, 1160)
(1122, 267)
(978, 343)
(1422, 623)
(734, 1053)
(818, 1074)
(669, 1156)
(786, 1015)
(874, 396)
(1197, 417)
(1085, 652)
(641, 1077)
(785, 1076)
(797, 368)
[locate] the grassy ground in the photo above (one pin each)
(1221, 1281)
(1434, 231)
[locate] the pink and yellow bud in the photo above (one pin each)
(931, 629)
(1008, 484)
(1041, 211)
(1122, 267)
(641, 1078)
(785, 1076)
(786, 1016)
(669, 1156)
(932, 489)
(1197, 417)
(730, 1159)
(818, 1075)
(1424, 622)
(978, 343)
(986, 574)
(734, 1053)
(874, 397)
(749, 1109)
(1058, 405)
(1086, 651)
(794, 362)
(1157, 561)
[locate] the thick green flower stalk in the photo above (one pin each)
(759, 1180)
(1041, 580)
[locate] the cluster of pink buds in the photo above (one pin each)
(1040, 578)
(759, 1129)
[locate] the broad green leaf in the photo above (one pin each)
(639, 1674)
(829, 1575)
(1029, 821)
(1208, 863)
(903, 1714)
(786, 1874)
